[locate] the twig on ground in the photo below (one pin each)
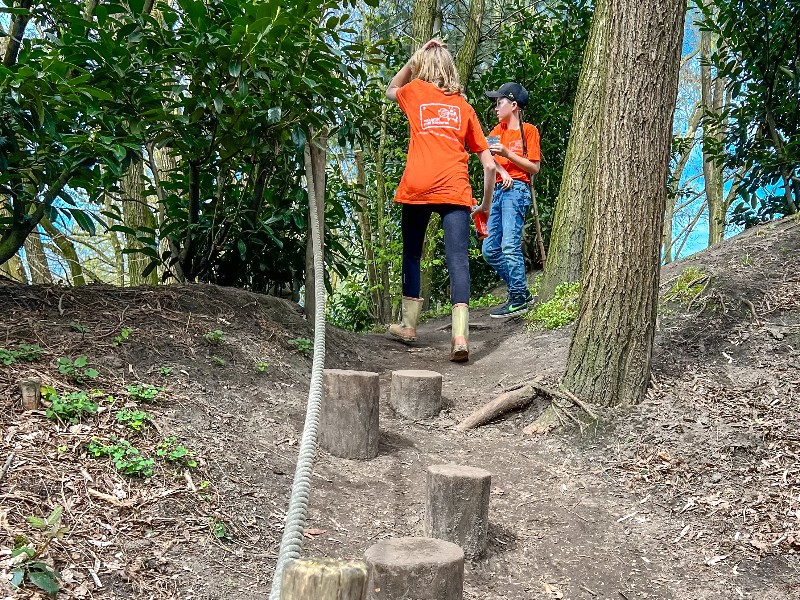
(6, 466)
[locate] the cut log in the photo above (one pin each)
(324, 579)
(513, 400)
(348, 424)
(416, 394)
(31, 393)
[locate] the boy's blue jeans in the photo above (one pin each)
(502, 248)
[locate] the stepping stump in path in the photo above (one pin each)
(457, 506)
(348, 422)
(416, 394)
(413, 567)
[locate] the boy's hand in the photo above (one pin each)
(507, 182)
(499, 150)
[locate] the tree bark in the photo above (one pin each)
(573, 206)
(465, 59)
(319, 157)
(37, 259)
(611, 349)
(422, 17)
(368, 244)
(67, 250)
(137, 215)
(712, 91)
(10, 45)
(380, 222)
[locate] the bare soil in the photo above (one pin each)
(693, 494)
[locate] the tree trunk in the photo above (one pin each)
(37, 259)
(422, 16)
(380, 208)
(365, 227)
(13, 269)
(465, 59)
(10, 45)
(67, 250)
(573, 206)
(137, 215)
(319, 157)
(675, 181)
(612, 342)
(712, 97)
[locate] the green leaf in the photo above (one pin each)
(274, 114)
(36, 522)
(45, 581)
(218, 103)
(235, 69)
(81, 361)
(84, 221)
(18, 575)
(242, 249)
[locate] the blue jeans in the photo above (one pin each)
(502, 248)
(455, 222)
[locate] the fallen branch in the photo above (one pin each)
(506, 402)
(6, 466)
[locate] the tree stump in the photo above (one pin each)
(348, 424)
(457, 506)
(416, 394)
(31, 393)
(413, 567)
(324, 579)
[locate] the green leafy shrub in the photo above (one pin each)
(70, 407)
(560, 310)
(144, 392)
(76, 369)
(135, 420)
(262, 366)
(172, 452)
(304, 345)
(123, 336)
(214, 337)
(125, 457)
(29, 569)
(26, 352)
(687, 286)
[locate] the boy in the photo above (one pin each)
(517, 158)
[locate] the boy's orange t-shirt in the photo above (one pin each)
(442, 126)
(511, 139)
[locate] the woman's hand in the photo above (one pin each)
(484, 208)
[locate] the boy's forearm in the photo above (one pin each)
(530, 167)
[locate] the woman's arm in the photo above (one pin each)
(402, 77)
(489, 171)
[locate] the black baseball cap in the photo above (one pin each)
(512, 91)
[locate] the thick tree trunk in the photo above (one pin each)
(712, 97)
(10, 45)
(319, 155)
(612, 341)
(573, 207)
(465, 59)
(37, 259)
(67, 250)
(422, 16)
(137, 215)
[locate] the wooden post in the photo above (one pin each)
(457, 506)
(31, 393)
(348, 422)
(416, 394)
(413, 567)
(324, 579)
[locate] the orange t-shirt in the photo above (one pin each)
(511, 139)
(441, 126)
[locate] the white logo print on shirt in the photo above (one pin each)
(433, 116)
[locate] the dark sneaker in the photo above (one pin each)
(512, 308)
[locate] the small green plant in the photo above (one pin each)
(262, 366)
(27, 568)
(135, 420)
(144, 392)
(560, 310)
(165, 371)
(214, 337)
(687, 286)
(26, 352)
(125, 457)
(123, 336)
(75, 326)
(173, 452)
(70, 407)
(219, 361)
(747, 261)
(218, 529)
(304, 345)
(76, 369)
